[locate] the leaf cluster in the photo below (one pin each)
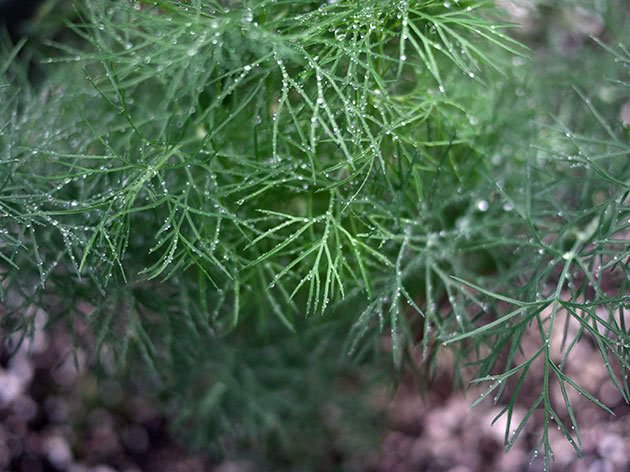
(206, 174)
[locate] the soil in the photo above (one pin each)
(57, 414)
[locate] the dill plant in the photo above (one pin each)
(251, 195)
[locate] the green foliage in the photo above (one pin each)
(208, 174)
